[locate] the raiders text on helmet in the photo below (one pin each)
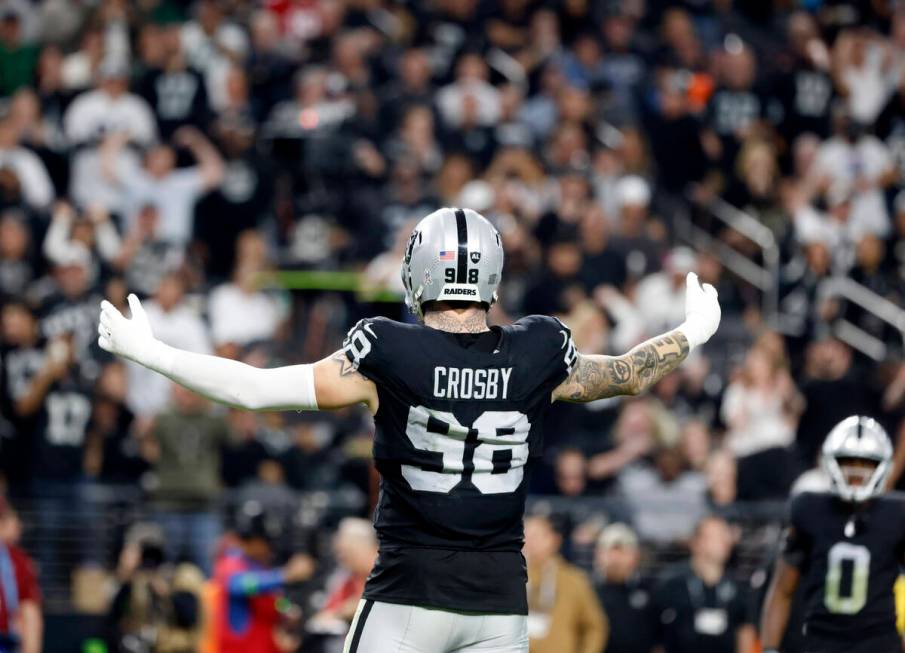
(452, 255)
(860, 438)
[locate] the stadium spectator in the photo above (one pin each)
(761, 411)
(179, 325)
(700, 607)
(355, 549)
(172, 191)
(184, 449)
(665, 497)
(18, 267)
(157, 607)
(93, 231)
(21, 617)
(29, 172)
(626, 597)
(249, 615)
(563, 612)
(240, 312)
(108, 114)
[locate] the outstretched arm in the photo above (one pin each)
(777, 605)
(327, 384)
(597, 377)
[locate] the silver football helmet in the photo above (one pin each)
(861, 438)
(452, 255)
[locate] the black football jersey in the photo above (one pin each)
(849, 558)
(459, 418)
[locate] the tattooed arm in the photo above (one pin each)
(338, 384)
(597, 377)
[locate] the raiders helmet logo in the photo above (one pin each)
(475, 257)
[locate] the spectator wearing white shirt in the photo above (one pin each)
(240, 313)
(660, 297)
(95, 115)
(172, 191)
(212, 45)
(836, 228)
(176, 324)
(760, 409)
(860, 163)
(93, 230)
(34, 182)
(471, 86)
(861, 67)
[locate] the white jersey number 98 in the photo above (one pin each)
(496, 431)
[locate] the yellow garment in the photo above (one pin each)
(899, 593)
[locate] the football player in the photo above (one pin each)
(458, 407)
(846, 547)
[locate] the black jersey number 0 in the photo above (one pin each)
(851, 563)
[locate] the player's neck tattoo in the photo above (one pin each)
(472, 320)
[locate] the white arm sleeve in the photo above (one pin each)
(221, 379)
(236, 384)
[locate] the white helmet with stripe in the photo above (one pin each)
(453, 255)
(863, 439)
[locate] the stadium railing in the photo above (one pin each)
(77, 549)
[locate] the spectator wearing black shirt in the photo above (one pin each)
(411, 85)
(832, 390)
(736, 106)
(175, 91)
(18, 268)
(626, 596)
(22, 358)
(113, 445)
(602, 264)
(269, 69)
(244, 452)
(71, 309)
(890, 125)
(701, 608)
(675, 137)
(804, 86)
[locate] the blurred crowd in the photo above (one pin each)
(231, 161)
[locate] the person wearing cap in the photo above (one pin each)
(701, 608)
(636, 238)
(248, 602)
(626, 597)
(563, 613)
(107, 112)
(21, 618)
(658, 296)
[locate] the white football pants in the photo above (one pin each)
(392, 628)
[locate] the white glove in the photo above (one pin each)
(132, 339)
(702, 311)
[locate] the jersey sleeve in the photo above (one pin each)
(796, 543)
(550, 347)
(366, 346)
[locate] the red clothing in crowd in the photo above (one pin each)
(352, 587)
(246, 612)
(26, 586)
